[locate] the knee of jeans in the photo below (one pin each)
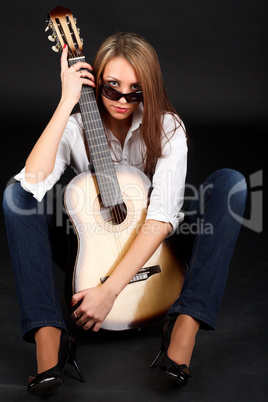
(228, 185)
(7, 199)
(13, 201)
(231, 180)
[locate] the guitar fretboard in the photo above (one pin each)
(100, 156)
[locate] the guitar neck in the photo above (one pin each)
(100, 156)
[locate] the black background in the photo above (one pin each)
(214, 60)
(213, 53)
(213, 56)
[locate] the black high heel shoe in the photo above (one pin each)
(49, 381)
(176, 372)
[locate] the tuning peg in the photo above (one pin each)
(75, 20)
(56, 48)
(52, 38)
(49, 25)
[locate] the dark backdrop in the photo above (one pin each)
(213, 52)
(213, 56)
(214, 59)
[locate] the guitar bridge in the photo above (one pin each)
(142, 275)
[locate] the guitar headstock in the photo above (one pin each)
(64, 31)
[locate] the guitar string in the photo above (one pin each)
(93, 125)
(96, 119)
(97, 142)
(96, 125)
(86, 108)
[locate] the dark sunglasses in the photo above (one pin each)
(113, 94)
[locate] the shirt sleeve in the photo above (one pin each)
(168, 183)
(63, 159)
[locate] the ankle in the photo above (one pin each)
(181, 354)
(47, 347)
(182, 340)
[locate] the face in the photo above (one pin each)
(120, 75)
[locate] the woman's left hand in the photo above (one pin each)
(96, 304)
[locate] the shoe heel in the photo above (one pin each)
(72, 360)
(166, 333)
(154, 363)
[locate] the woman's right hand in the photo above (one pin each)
(72, 79)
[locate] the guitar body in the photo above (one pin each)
(102, 244)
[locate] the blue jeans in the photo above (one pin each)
(209, 234)
(32, 238)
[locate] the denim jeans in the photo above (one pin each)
(209, 234)
(33, 237)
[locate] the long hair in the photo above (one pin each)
(143, 58)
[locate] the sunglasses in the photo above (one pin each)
(113, 94)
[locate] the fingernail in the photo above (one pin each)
(64, 46)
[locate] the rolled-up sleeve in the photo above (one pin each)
(40, 189)
(168, 183)
(62, 161)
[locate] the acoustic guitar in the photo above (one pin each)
(107, 207)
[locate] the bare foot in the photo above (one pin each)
(182, 339)
(47, 347)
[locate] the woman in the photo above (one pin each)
(143, 130)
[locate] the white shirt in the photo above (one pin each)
(169, 178)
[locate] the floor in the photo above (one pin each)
(229, 364)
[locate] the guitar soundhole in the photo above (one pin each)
(114, 215)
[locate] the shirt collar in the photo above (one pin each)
(137, 118)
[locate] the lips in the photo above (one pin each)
(120, 109)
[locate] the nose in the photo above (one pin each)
(122, 100)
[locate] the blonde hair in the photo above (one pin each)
(143, 58)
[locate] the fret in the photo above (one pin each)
(102, 159)
(105, 169)
(104, 166)
(98, 146)
(91, 121)
(89, 116)
(75, 59)
(97, 149)
(90, 113)
(87, 93)
(93, 129)
(91, 102)
(86, 103)
(108, 193)
(107, 185)
(87, 109)
(98, 142)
